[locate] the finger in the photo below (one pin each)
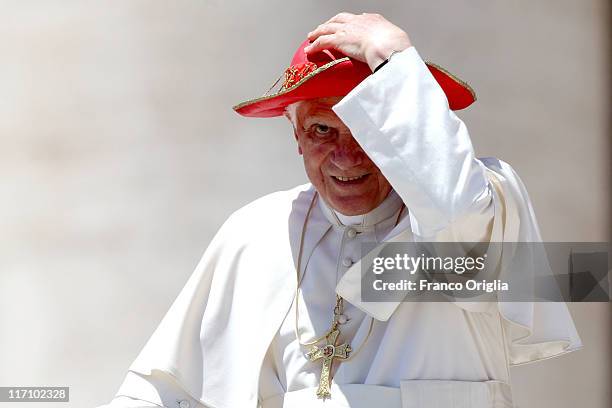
(321, 43)
(340, 18)
(324, 29)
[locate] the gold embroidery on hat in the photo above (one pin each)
(294, 86)
(295, 73)
(322, 68)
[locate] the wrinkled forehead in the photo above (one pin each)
(311, 108)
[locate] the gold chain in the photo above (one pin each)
(339, 307)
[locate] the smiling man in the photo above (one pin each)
(336, 165)
(273, 315)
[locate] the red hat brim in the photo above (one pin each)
(329, 80)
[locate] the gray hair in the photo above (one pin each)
(291, 112)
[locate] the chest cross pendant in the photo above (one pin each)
(328, 353)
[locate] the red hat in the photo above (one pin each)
(330, 73)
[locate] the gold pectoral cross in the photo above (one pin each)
(328, 353)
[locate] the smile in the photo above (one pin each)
(350, 180)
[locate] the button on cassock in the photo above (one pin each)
(183, 404)
(347, 262)
(351, 233)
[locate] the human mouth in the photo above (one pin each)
(350, 180)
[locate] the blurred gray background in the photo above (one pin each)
(120, 157)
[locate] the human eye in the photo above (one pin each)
(322, 129)
(321, 132)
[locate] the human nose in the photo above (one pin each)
(347, 154)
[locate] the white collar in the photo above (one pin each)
(386, 209)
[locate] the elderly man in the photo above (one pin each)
(273, 315)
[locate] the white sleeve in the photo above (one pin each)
(401, 118)
(151, 391)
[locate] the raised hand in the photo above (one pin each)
(369, 38)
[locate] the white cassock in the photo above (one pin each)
(228, 341)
